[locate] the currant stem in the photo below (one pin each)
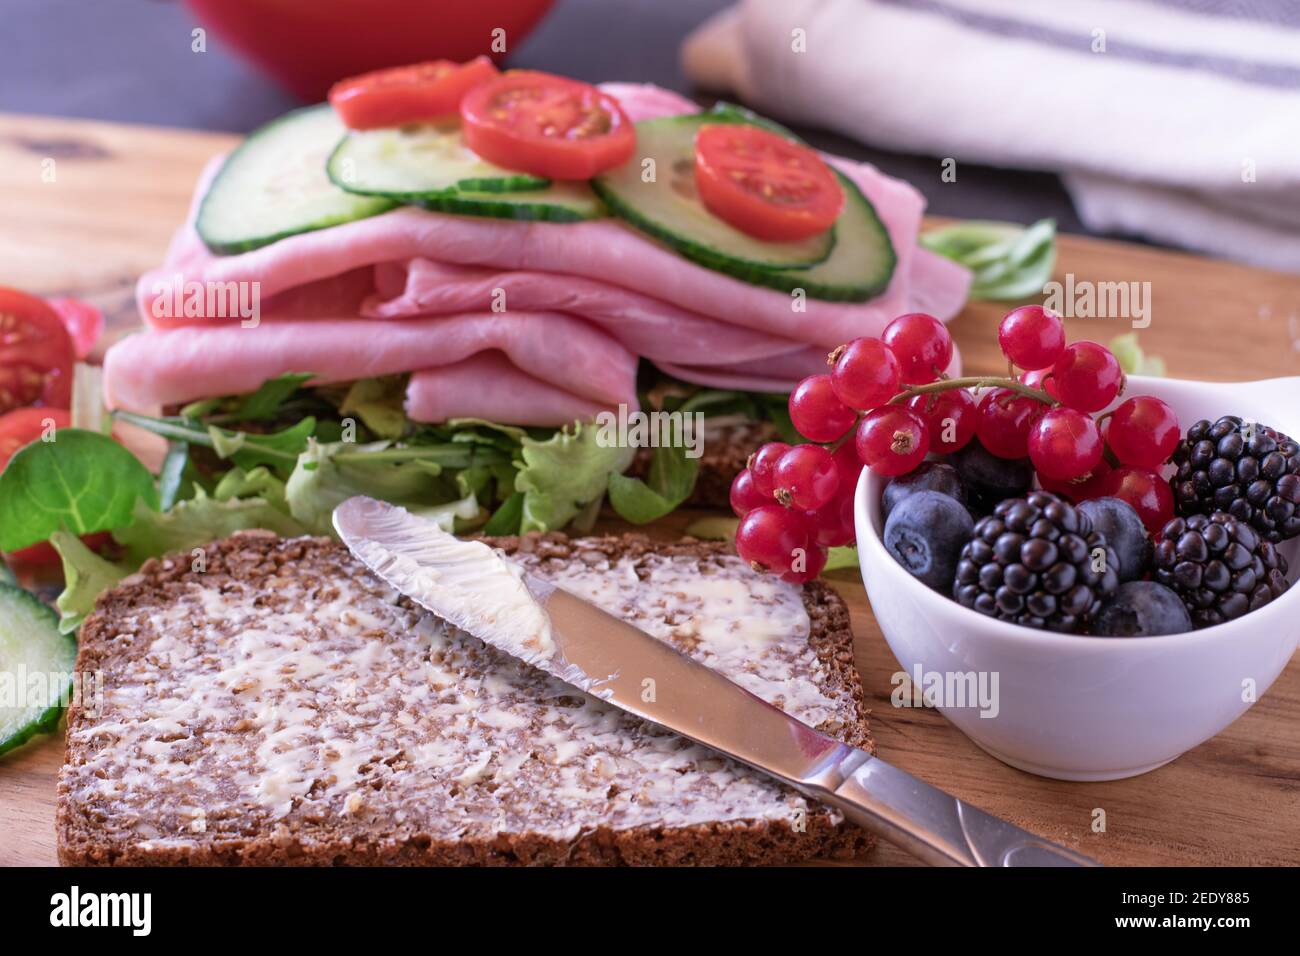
(947, 384)
(973, 381)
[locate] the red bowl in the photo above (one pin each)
(306, 45)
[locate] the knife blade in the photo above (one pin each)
(478, 590)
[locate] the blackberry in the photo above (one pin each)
(1244, 469)
(1219, 566)
(1037, 561)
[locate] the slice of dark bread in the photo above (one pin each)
(273, 703)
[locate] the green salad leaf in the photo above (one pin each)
(329, 474)
(380, 404)
(258, 483)
(1133, 359)
(265, 403)
(85, 576)
(1008, 261)
(193, 523)
(565, 473)
(839, 558)
(670, 481)
(508, 517)
(80, 481)
(713, 528)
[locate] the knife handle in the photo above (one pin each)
(932, 825)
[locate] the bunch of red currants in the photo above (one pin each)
(887, 403)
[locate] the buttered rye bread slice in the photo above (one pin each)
(284, 706)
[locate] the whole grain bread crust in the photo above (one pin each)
(251, 555)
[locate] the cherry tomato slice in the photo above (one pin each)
(763, 184)
(547, 125)
(36, 353)
(25, 425)
(407, 94)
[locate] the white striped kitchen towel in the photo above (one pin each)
(1178, 120)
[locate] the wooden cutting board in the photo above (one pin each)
(86, 207)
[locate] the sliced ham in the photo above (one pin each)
(488, 386)
(421, 292)
(605, 250)
(160, 368)
(649, 327)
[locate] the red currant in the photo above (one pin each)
(1064, 443)
(1087, 376)
(1003, 421)
(806, 477)
(1149, 494)
(771, 538)
(831, 525)
(950, 417)
(762, 466)
(1041, 379)
(813, 562)
(921, 344)
(1031, 337)
(892, 440)
(1143, 431)
(866, 374)
(1092, 485)
(744, 496)
(815, 411)
(850, 467)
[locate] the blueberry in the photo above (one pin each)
(927, 476)
(1141, 609)
(925, 533)
(1124, 532)
(988, 478)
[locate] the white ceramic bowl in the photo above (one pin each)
(1094, 708)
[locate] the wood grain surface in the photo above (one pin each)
(118, 192)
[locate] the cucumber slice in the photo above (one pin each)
(31, 651)
(558, 202)
(863, 260)
(274, 185)
(669, 209)
(860, 266)
(414, 163)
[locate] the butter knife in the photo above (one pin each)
(473, 587)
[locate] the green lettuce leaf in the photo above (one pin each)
(329, 474)
(508, 517)
(713, 528)
(564, 473)
(1008, 261)
(258, 483)
(670, 482)
(85, 576)
(1133, 359)
(81, 481)
(193, 523)
(841, 558)
(379, 403)
(265, 403)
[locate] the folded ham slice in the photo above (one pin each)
(346, 301)
(489, 386)
(649, 327)
(160, 368)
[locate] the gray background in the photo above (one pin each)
(130, 61)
